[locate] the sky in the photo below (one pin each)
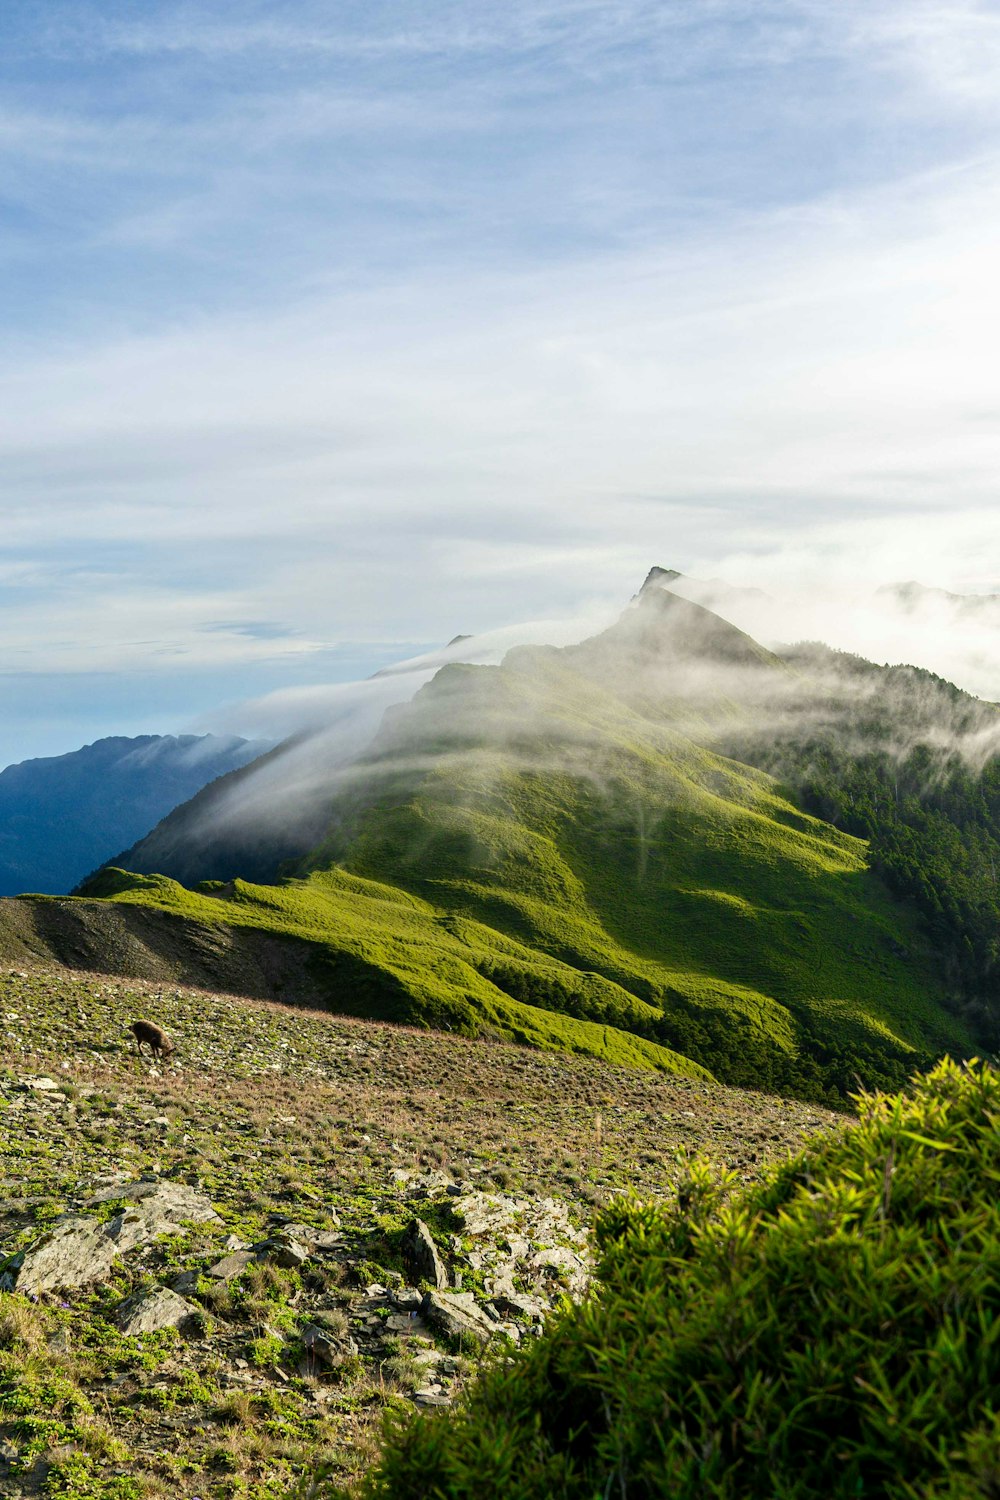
(332, 331)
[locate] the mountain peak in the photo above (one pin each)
(660, 577)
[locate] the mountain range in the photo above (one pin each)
(61, 816)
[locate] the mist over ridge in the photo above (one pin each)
(668, 656)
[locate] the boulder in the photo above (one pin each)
(327, 1346)
(75, 1252)
(160, 1207)
(513, 1305)
(421, 1255)
(149, 1311)
(281, 1250)
(458, 1316)
(231, 1265)
(487, 1213)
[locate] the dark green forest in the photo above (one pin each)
(930, 810)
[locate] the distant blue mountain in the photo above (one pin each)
(62, 816)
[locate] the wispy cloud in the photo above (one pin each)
(392, 323)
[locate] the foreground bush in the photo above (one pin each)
(835, 1332)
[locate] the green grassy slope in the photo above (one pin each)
(379, 952)
(615, 844)
(539, 851)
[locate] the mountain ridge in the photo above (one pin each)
(62, 816)
(584, 835)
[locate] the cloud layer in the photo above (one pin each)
(329, 328)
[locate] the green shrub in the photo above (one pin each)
(832, 1333)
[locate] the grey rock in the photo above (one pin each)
(231, 1265)
(457, 1315)
(150, 1311)
(291, 1231)
(421, 1255)
(517, 1246)
(531, 1309)
(179, 1200)
(128, 1229)
(308, 1234)
(408, 1299)
(428, 1359)
(281, 1251)
(560, 1261)
(158, 1207)
(118, 1185)
(487, 1213)
(75, 1252)
(327, 1239)
(408, 1323)
(328, 1348)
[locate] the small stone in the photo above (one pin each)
(148, 1312)
(328, 1348)
(421, 1255)
(457, 1315)
(282, 1252)
(231, 1265)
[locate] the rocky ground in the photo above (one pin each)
(219, 1270)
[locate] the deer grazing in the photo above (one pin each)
(159, 1043)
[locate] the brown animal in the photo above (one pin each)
(159, 1043)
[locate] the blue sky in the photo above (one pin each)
(331, 331)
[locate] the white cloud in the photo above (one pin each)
(460, 435)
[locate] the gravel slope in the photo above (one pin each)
(348, 1129)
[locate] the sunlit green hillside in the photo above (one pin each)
(384, 954)
(524, 851)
